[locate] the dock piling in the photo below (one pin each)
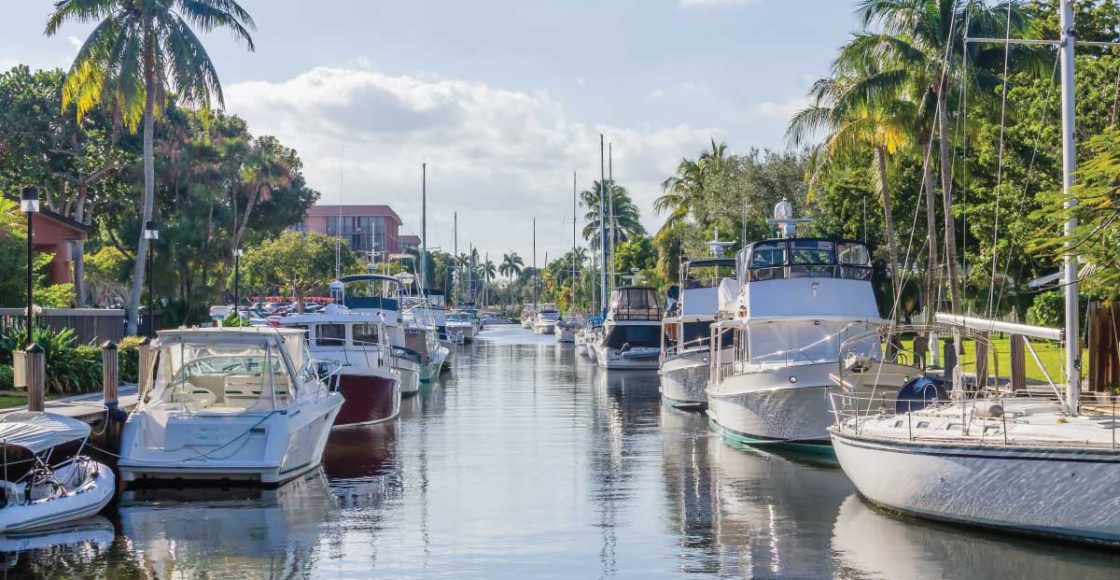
(110, 373)
(35, 369)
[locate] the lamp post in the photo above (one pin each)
(237, 281)
(29, 204)
(151, 233)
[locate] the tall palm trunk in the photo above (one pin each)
(888, 222)
(947, 197)
(149, 185)
(931, 234)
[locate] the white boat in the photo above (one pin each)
(566, 331)
(631, 335)
(798, 298)
(229, 404)
(527, 318)
(359, 344)
(546, 320)
(459, 324)
(37, 494)
(686, 330)
(380, 297)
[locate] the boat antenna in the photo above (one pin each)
(716, 247)
(784, 221)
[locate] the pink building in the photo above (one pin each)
(410, 242)
(364, 227)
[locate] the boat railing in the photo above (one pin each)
(627, 313)
(980, 420)
(365, 347)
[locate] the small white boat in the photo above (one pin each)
(546, 320)
(566, 331)
(459, 324)
(229, 404)
(39, 494)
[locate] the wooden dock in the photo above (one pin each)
(89, 407)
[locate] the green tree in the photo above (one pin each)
(511, 265)
(140, 54)
(296, 264)
(627, 218)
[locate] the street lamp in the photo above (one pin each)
(151, 233)
(29, 204)
(237, 280)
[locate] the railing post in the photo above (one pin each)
(110, 373)
(36, 374)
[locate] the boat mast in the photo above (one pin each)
(602, 230)
(535, 272)
(423, 227)
(610, 205)
(573, 240)
(1069, 167)
(455, 258)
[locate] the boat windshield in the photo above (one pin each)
(807, 341)
(222, 378)
(804, 258)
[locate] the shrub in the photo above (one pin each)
(7, 379)
(1048, 309)
(129, 365)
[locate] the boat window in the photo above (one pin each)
(697, 333)
(810, 252)
(768, 255)
(852, 255)
(365, 333)
(635, 336)
(330, 335)
(922, 425)
(218, 378)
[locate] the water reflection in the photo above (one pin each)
(77, 545)
(872, 544)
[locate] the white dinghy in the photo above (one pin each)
(229, 404)
(36, 494)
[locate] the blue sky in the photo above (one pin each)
(503, 99)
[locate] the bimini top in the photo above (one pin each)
(368, 278)
(38, 432)
(635, 303)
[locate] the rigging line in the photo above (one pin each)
(947, 189)
(999, 165)
(962, 116)
(1048, 101)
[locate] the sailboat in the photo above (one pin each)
(988, 456)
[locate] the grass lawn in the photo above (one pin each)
(9, 401)
(1050, 353)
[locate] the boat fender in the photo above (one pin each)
(987, 410)
(920, 393)
(113, 412)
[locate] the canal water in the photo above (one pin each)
(526, 461)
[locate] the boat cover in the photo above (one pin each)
(39, 432)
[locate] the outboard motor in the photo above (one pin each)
(920, 393)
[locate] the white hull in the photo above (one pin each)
(81, 501)
(567, 335)
(466, 331)
(544, 327)
(765, 406)
(684, 378)
(261, 447)
(1019, 488)
(636, 359)
(410, 377)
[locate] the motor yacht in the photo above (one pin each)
(459, 323)
(359, 344)
(546, 319)
(229, 404)
(630, 336)
(42, 484)
(527, 318)
(686, 329)
(567, 329)
(381, 297)
(797, 299)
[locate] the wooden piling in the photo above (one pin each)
(35, 360)
(110, 373)
(144, 380)
(1103, 325)
(1018, 363)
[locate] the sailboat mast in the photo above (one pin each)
(535, 273)
(602, 230)
(610, 204)
(423, 227)
(1069, 167)
(573, 240)
(455, 258)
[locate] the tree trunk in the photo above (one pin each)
(947, 197)
(888, 223)
(931, 235)
(149, 185)
(79, 256)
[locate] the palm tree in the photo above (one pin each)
(627, 220)
(683, 191)
(140, 55)
(511, 265)
(918, 47)
(489, 270)
(853, 123)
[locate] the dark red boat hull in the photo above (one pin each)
(369, 399)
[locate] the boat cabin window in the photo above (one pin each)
(801, 258)
(330, 335)
(365, 333)
(635, 336)
(220, 378)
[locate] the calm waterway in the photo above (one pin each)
(526, 461)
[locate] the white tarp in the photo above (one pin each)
(728, 295)
(700, 302)
(39, 432)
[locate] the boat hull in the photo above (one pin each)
(565, 335)
(368, 400)
(684, 378)
(766, 407)
(94, 495)
(612, 359)
(266, 449)
(1054, 492)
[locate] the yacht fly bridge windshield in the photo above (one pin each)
(804, 258)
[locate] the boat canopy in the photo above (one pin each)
(635, 303)
(38, 432)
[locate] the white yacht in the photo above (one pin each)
(798, 298)
(459, 323)
(546, 319)
(229, 404)
(686, 332)
(630, 337)
(567, 329)
(359, 343)
(527, 318)
(380, 297)
(43, 485)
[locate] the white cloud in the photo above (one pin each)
(499, 157)
(779, 110)
(694, 3)
(75, 43)
(656, 94)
